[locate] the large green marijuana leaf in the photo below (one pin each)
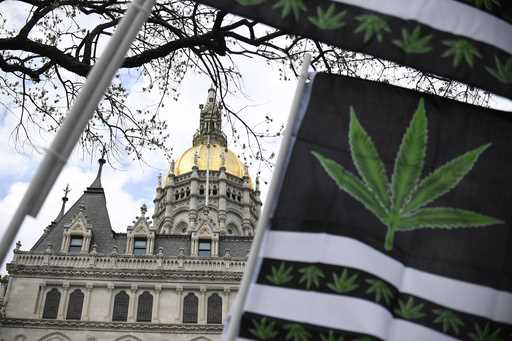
(413, 42)
(408, 310)
(380, 289)
(503, 71)
(291, 6)
(343, 283)
(280, 275)
(264, 329)
(399, 203)
(311, 275)
(485, 334)
(296, 332)
(449, 319)
(461, 49)
(328, 19)
(372, 25)
(331, 337)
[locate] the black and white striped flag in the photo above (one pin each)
(393, 222)
(466, 40)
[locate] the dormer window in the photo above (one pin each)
(205, 248)
(75, 244)
(140, 246)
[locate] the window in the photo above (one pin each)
(51, 304)
(145, 307)
(214, 314)
(205, 248)
(75, 244)
(76, 301)
(190, 304)
(121, 302)
(139, 246)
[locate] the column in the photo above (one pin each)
(226, 302)
(38, 311)
(108, 314)
(132, 304)
(202, 306)
(179, 295)
(63, 302)
(156, 304)
(87, 301)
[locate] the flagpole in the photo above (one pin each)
(264, 220)
(99, 78)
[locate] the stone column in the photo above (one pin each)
(63, 302)
(156, 304)
(38, 311)
(108, 314)
(132, 304)
(202, 306)
(226, 303)
(87, 301)
(179, 295)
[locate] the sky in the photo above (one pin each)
(129, 185)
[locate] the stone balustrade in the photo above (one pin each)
(99, 261)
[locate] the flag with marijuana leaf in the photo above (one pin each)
(392, 222)
(466, 40)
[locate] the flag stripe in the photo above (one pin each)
(320, 308)
(342, 251)
(336, 280)
(446, 15)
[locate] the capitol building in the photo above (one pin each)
(172, 276)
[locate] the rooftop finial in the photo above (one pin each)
(97, 182)
(64, 200)
(143, 210)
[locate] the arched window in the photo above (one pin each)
(145, 307)
(51, 304)
(214, 314)
(190, 303)
(201, 190)
(76, 301)
(121, 302)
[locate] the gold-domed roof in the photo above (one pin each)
(219, 156)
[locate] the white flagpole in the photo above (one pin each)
(264, 220)
(82, 110)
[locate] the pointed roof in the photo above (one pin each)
(93, 204)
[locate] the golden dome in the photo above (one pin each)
(231, 161)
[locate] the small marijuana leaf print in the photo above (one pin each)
(311, 275)
(250, 2)
(414, 42)
(328, 20)
(380, 289)
(408, 310)
(485, 334)
(372, 25)
(296, 332)
(291, 6)
(503, 71)
(331, 337)
(343, 283)
(399, 203)
(264, 329)
(280, 275)
(449, 319)
(461, 49)
(487, 4)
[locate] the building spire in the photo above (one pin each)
(101, 161)
(64, 201)
(210, 121)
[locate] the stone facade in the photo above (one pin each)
(173, 276)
